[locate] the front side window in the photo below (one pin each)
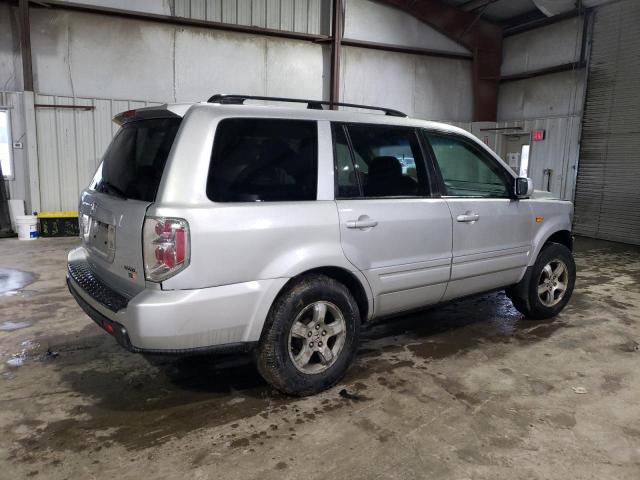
(386, 162)
(466, 170)
(264, 160)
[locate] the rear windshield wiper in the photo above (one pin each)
(106, 187)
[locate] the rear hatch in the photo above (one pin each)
(113, 207)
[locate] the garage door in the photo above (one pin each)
(607, 201)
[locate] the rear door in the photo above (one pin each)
(391, 227)
(491, 229)
(113, 207)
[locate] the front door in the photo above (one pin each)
(391, 227)
(491, 229)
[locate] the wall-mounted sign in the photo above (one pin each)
(539, 135)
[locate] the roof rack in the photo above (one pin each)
(312, 104)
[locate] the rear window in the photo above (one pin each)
(133, 164)
(264, 160)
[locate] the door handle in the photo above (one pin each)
(362, 223)
(468, 217)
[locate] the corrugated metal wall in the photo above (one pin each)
(70, 145)
(607, 199)
(291, 15)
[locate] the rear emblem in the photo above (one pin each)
(131, 272)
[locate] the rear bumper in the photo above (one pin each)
(217, 319)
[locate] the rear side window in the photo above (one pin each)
(387, 162)
(133, 164)
(264, 160)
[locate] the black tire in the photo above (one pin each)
(524, 296)
(273, 359)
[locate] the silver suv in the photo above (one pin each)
(222, 226)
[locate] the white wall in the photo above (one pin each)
(85, 55)
(306, 16)
(552, 45)
(83, 58)
(70, 145)
(161, 7)
(375, 22)
(558, 94)
(552, 102)
(424, 87)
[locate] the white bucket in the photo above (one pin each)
(16, 207)
(27, 226)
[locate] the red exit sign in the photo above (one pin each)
(538, 135)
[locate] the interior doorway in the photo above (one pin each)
(516, 151)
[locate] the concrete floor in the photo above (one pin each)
(467, 391)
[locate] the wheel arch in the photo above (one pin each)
(556, 232)
(562, 237)
(354, 281)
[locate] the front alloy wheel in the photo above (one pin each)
(553, 283)
(548, 285)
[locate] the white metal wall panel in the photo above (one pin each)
(607, 199)
(375, 22)
(545, 47)
(303, 16)
(558, 152)
(71, 143)
(422, 87)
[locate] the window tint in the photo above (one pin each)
(347, 180)
(133, 164)
(387, 162)
(262, 160)
(466, 170)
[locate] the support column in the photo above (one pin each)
(336, 47)
(25, 45)
(483, 38)
(28, 100)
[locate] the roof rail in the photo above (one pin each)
(312, 104)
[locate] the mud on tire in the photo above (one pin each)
(294, 323)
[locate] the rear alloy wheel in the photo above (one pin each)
(317, 337)
(548, 285)
(310, 336)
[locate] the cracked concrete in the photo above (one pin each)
(470, 390)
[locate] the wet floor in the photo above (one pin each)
(12, 280)
(466, 390)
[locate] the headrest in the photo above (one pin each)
(387, 166)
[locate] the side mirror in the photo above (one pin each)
(524, 187)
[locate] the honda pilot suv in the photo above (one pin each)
(224, 226)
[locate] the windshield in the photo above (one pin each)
(133, 164)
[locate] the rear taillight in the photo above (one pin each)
(165, 247)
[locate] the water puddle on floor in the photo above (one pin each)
(11, 281)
